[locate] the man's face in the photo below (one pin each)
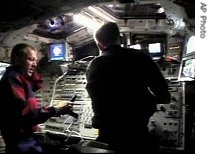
(30, 61)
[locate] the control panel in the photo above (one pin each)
(65, 87)
(168, 123)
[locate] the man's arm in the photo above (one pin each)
(157, 83)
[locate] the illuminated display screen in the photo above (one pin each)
(187, 72)
(135, 46)
(155, 43)
(188, 69)
(57, 52)
(154, 48)
(190, 45)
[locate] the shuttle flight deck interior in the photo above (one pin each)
(62, 32)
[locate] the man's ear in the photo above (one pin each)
(19, 61)
(101, 47)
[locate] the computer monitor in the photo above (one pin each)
(58, 51)
(190, 46)
(156, 50)
(135, 46)
(187, 69)
(3, 66)
(155, 43)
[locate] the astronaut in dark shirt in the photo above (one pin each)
(124, 85)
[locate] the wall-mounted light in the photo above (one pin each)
(52, 22)
(160, 10)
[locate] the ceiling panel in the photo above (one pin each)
(134, 10)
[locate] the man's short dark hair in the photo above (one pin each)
(108, 34)
(19, 50)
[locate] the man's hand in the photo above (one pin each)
(63, 104)
(63, 107)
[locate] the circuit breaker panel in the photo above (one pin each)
(168, 123)
(64, 88)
